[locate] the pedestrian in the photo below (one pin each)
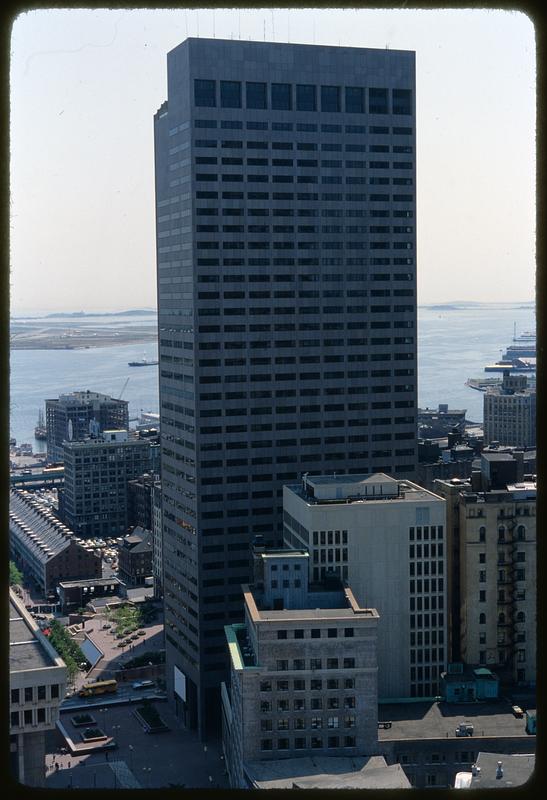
(56, 765)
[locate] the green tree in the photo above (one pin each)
(15, 575)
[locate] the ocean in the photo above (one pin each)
(455, 342)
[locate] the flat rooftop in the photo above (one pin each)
(26, 652)
(427, 720)
(343, 489)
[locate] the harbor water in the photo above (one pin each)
(454, 343)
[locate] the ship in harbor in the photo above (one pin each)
(518, 358)
(144, 362)
(40, 431)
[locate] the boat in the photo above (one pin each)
(142, 363)
(517, 365)
(40, 431)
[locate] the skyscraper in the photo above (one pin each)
(285, 195)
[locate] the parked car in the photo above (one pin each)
(517, 711)
(143, 684)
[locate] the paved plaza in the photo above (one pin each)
(175, 757)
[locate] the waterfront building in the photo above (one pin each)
(285, 194)
(43, 547)
(304, 672)
(435, 423)
(37, 683)
(510, 413)
(97, 471)
(75, 415)
(494, 524)
(386, 537)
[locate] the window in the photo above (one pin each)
(281, 97)
(281, 634)
(316, 723)
(305, 97)
(14, 719)
(332, 633)
(41, 693)
(316, 703)
(330, 98)
(377, 99)
(315, 633)
(55, 690)
(316, 685)
(256, 95)
(299, 743)
(41, 717)
(282, 686)
(355, 101)
(299, 685)
(299, 633)
(299, 663)
(265, 706)
(266, 744)
(265, 725)
(230, 94)
(402, 101)
(28, 717)
(282, 665)
(349, 721)
(282, 705)
(349, 663)
(299, 705)
(28, 694)
(204, 93)
(14, 696)
(348, 632)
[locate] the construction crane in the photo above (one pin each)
(124, 388)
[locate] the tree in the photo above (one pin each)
(15, 575)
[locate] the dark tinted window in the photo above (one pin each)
(204, 93)
(281, 96)
(355, 100)
(377, 101)
(256, 95)
(305, 97)
(402, 101)
(330, 98)
(230, 94)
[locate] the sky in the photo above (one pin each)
(85, 84)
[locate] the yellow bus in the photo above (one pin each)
(99, 687)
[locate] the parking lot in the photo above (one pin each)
(175, 757)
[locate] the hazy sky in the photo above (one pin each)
(85, 85)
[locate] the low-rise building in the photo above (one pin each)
(77, 594)
(43, 547)
(37, 682)
(135, 557)
(304, 669)
(463, 683)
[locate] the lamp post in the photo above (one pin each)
(131, 757)
(147, 771)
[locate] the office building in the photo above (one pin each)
(386, 537)
(496, 532)
(303, 669)
(97, 472)
(44, 548)
(37, 682)
(76, 415)
(510, 413)
(285, 193)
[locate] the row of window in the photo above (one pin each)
(254, 144)
(28, 717)
(316, 633)
(32, 693)
(354, 197)
(302, 97)
(316, 703)
(300, 685)
(239, 177)
(421, 621)
(316, 723)
(304, 127)
(282, 664)
(302, 229)
(303, 743)
(300, 212)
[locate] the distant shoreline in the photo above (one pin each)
(62, 340)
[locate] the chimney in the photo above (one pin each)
(499, 771)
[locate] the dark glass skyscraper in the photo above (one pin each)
(285, 195)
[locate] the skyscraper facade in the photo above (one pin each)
(285, 194)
